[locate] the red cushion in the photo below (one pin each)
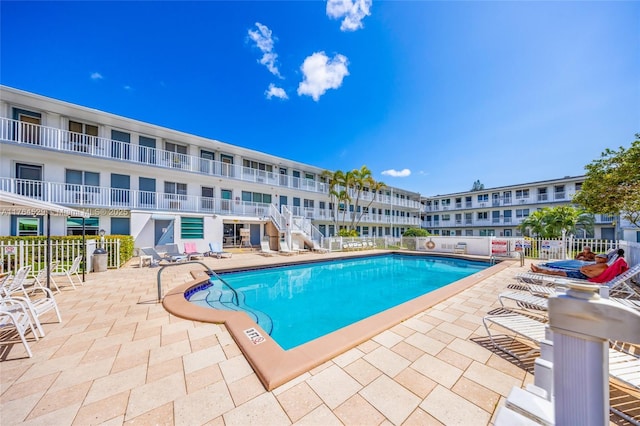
(616, 268)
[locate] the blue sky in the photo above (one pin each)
(431, 96)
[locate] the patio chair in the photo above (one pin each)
(522, 326)
(35, 305)
(71, 271)
(40, 278)
(265, 250)
(295, 246)
(171, 253)
(14, 315)
(156, 259)
(191, 251)
(460, 248)
(217, 251)
(285, 250)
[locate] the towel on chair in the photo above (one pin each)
(616, 268)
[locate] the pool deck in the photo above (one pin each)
(120, 358)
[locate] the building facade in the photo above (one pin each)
(163, 186)
(499, 211)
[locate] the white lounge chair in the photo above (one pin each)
(171, 253)
(71, 271)
(284, 249)
(40, 278)
(522, 326)
(14, 315)
(36, 305)
(265, 250)
(217, 251)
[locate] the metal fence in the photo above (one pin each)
(19, 253)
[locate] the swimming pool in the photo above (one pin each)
(299, 303)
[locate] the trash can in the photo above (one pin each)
(99, 260)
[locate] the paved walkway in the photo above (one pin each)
(120, 358)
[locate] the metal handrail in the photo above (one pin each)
(210, 272)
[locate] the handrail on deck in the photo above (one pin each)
(210, 272)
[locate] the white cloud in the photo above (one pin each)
(352, 11)
(264, 41)
(275, 91)
(96, 76)
(321, 74)
(397, 173)
(127, 87)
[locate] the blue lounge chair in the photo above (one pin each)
(216, 250)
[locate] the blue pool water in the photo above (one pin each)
(303, 302)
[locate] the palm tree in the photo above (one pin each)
(374, 187)
(534, 224)
(361, 178)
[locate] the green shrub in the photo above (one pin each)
(416, 232)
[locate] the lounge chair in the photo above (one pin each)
(40, 279)
(156, 259)
(71, 271)
(618, 285)
(191, 251)
(265, 250)
(14, 314)
(217, 251)
(284, 249)
(522, 326)
(36, 305)
(295, 246)
(171, 253)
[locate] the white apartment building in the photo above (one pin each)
(499, 211)
(164, 186)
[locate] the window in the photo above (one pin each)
(507, 216)
(322, 205)
(483, 215)
(120, 144)
(487, 232)
(542, 194)
(522, 193)
(147, 149)
(506, 197)
(309, 176)
(91, 226)
(82, 136)
(76, 179)
(27, 226)
(308, 204)
(120, 226)
(256, 197)
(81, 177)
(257, 165)
(191, 228)
(446, 217)
(175, 188)
(558, 192)
(483, 198)
(520, 213)
(207, 193)
(578, 186)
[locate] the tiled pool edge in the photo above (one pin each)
(275, 366)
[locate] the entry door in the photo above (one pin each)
(254, 234)
(29, 129)
(163, 232)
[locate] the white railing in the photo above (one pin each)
(18, 253)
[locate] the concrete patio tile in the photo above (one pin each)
(24, 389)
(368, 346)
(454, 330)
(263, 410)
(299, 401)
(203, 406)
(168, 352)
(114, 384)
(454, 358)
(235, 369)
(291, 383)
(407, 351)
(437, 370)
(94, 355)
(402, 329)
(160, 416)
(179, 336)
(357, 411)
(387, 338)
(334, 386)
(470, 349)
(420, 418)
(417, 324)
(362, 371)
(18, 409)
(60, 399)
(125, 362)
(81, 373)
(452, 409)
(203, 358)
(387, 361)
(155, 394)
(425, 343)
(164, 369)
(202, 378)
(245, 389)
(348, 357)
(415, 382)
(492, 379)
(444, 316)
(50, 366)
(101, 411)
(496, 361)
(479, 395)
(441, 336)
(64, 415)
(394, 401)
(321, 416)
